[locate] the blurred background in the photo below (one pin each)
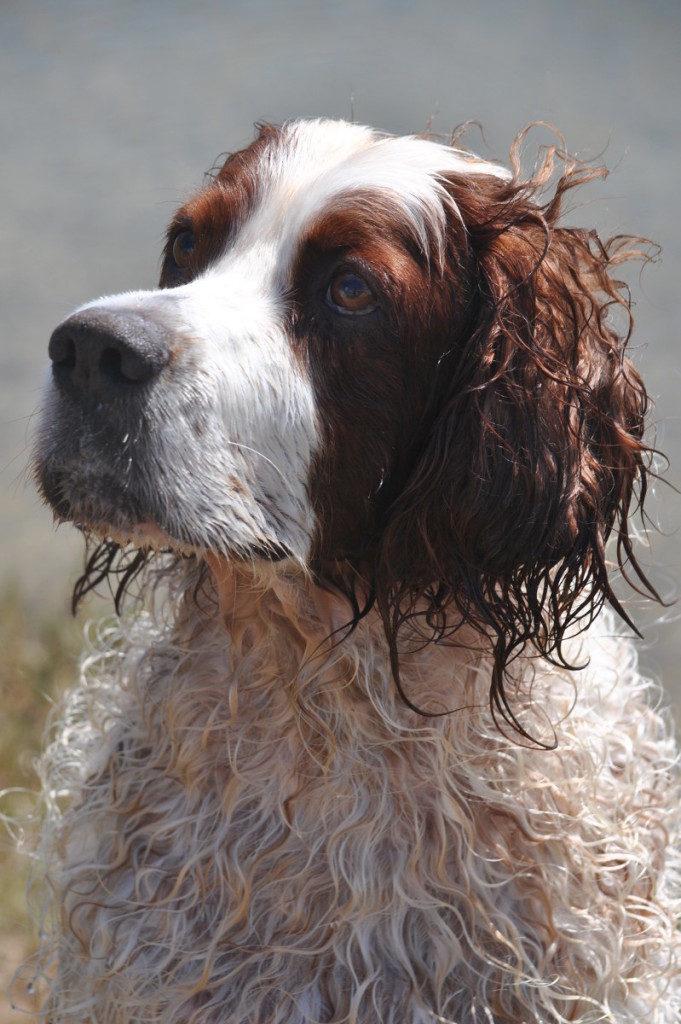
(110, 112)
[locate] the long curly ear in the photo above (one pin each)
(535, 450)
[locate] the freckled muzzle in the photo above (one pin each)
(155, 435)
(106, 366)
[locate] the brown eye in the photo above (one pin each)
(349, 293)
(184, 246)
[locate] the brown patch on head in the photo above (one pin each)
(374, 375)
(202, 229)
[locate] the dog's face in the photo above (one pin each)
(263, 401)
(381, 358)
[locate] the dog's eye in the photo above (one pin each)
(349, 293)
(184, 246)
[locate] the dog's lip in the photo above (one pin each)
(144, 534)
(149, 534)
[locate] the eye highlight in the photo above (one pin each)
(349, 293)
(183, 248)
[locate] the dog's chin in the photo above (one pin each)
(107, 512)
(107, 516)
(147, 535)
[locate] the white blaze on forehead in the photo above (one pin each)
(312, 163)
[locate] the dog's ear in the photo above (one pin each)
(534, 451)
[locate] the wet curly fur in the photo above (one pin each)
(386, 758)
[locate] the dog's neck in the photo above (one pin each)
(308, 634)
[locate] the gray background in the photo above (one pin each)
(111, 111)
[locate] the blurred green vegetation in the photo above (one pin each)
(38, 662)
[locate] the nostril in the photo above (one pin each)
(120, 367)
(62, 351)
(123, 366)
(110, 365)
(134, 363)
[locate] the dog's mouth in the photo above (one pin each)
(154, 496)
(144, 535)
(108, 512)
(103, 510)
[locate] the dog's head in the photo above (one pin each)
(368, 352)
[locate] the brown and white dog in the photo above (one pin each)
(372, 753)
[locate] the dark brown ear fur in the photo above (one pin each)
(535, 449)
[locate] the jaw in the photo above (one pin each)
(168, 490)
(185, 513)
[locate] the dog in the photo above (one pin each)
(376, 747)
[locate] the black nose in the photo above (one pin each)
(101, 352)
